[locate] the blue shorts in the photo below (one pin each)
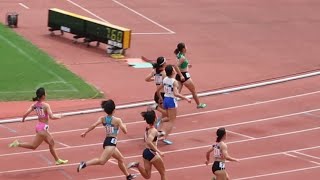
(148, 154)
(169, 103)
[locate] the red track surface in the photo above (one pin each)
(273, 130)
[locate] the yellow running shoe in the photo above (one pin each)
(15, 143)
(60, 161)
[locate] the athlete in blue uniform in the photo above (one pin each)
(151, 154)
(112, 125)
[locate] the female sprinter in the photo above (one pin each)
(183, 75)
(157, 75)
(220, 152)
(43, 111)
(112, 125)
(170, 86)
(151, 154)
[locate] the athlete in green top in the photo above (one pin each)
(183, 75)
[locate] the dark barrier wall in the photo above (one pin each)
(91, 29)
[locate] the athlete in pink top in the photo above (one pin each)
(43, 111)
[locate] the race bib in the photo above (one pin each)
(46, 127)
(158, 79)
(188, 75)
(114, 141)
(222, 165)
(109, 129)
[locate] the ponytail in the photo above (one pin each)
(176, 51)
(221, 132)
(39, 93)
(179, 48)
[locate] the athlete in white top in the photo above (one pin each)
(170, 87)
(220, 153)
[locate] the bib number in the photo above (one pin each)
(158, 79)
(222, 165)
(40, 112)
(109, 129)
(187, 75)
(114, 141)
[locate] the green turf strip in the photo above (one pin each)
(24, 67)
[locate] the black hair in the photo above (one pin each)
(160, 61)
(108, 106)
(179, 48)
(220, 133)
(39, 93)
(169, 70)
(149, 116)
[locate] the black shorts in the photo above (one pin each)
(156, 97)
(217, 166)
(148, 154)
(186, 76)
(110, 141)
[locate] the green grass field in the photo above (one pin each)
(24, 67)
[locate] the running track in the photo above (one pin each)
(273, 130)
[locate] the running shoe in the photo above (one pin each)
(167, 142)
(131, 176)
(15, 143)
(201, 105)
(60, 161)
(133, 165)
(82, 165)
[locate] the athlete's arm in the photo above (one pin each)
(94, 125)
(122, 126)
(27, 113)
(150, 143)
(150, 76)
(51, 115)
(208, 155)
(224, 150)
(177, 94)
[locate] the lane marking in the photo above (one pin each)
(133, 105)
(74, 164)
(304, 154)
(88, 11)
(143, 16)
(9, 129)
(23, 5)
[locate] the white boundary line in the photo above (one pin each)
(227, 90)
(146, 33)
(185, 149)
(31, 59)
(134, 11)
(310, 156)
(23, 5)
(86, 10)
(277, 173)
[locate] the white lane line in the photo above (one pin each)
(74, 164)
(23, 5)
(65, 145)
(278, 173)
(145, 17)
(301, 158)
(304, 154)
(9, 129)
(240, 134)
(86, 10)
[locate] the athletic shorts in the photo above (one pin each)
(218, 166)
(110, 141)
(170, 103)
(186, 76)
(156, 97)
(148, 154)
(41, 127)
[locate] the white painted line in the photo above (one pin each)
(145, 17)
(23, 5)
(290, 155)
(278, 173)
(74, 164)
(31, 59)
(51, 90)
(115, 163)
(133, 105)
(65, 174)
(9, 129)
(239, 134)
(303, 154)
(86, 10)
(45, 159)
(65, 145)
(313, 115)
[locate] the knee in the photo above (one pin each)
(33, 147)
(102, 162)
